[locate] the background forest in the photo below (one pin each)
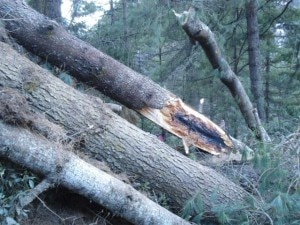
(147, 37)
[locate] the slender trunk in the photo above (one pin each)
(255, 58)
(235, 70)
(112, 12)
(125, 33)
(268, 66)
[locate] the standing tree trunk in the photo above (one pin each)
(125, 33)
(112, 12)
(109, 138)
(51, 9)
(255, 58)
(268, 70)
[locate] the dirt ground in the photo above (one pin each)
(62, 207)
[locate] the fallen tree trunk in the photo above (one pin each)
(50, 159)
(49, 40)
(124, 147)
(200, 32)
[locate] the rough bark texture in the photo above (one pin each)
(257, 87)
(51, 9)
(199, 32)
(49, 40)
(109, 138)
(50, 159)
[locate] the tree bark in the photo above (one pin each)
(111, 139)
(255, 58)
(50, 41)
(199, 32)
(51, 9)
(50, 159)
(112, 12)
(126, 48)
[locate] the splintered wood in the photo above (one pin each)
(193, 127)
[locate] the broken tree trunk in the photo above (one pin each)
(49, 40)
(199, 32)
(52, 160)
(109, 138)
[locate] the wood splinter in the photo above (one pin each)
(194, 128)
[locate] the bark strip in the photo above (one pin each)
(49, 40)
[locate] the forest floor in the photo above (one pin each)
(60, 206)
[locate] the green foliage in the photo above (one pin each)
(194, 209)
(275, 199)
(14, 182)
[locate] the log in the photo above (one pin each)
(52, 160)
(109, 138)
(52, 42)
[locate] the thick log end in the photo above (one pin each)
(188, 124)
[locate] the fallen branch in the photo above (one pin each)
(200, 32)
(32, 194)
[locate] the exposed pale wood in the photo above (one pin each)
(194, 128)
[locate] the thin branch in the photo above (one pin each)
(277, 17)
(242, 67)
(238, 15)
(45, 205)
(33, 193)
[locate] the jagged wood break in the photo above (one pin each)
(194, 128)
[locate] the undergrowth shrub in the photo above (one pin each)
(14, 182)
(274, 198)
